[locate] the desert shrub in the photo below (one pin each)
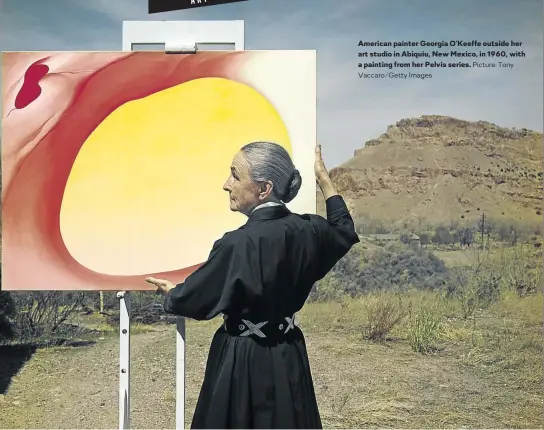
(383, 313)
(473, 290)
(7, 312)
(398, 267)
(442, 236)
(488, 289)
(145, 299)
(41, 315)
(405, 238)
(515, 231)
(424, 238)
(465, 236)
(424, 328)
(520, 269)
(328, 289)
(367, 225)
(408, 267)
(111, 302)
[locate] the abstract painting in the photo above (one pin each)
(114, 162)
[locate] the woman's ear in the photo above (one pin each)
(265, 189)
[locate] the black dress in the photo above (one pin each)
(258, 276)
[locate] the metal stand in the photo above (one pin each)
(179, 37)
(180, 373)
(124, 360)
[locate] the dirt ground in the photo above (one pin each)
(358, 384)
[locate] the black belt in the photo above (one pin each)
(238, 326)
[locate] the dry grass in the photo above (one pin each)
(486, 373)
(470, 381)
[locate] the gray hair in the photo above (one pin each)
(271, 162)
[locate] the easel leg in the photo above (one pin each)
(124, 360)
(180, 373)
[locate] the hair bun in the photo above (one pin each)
(293, 187)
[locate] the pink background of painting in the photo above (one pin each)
(41, 142)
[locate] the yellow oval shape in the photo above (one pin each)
(145, 192)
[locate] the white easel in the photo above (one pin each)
(172, 37)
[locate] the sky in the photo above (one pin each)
(351, 110)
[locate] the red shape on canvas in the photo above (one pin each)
(31, 89)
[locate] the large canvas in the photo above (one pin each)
(114, 162)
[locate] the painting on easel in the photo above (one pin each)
(114, 162)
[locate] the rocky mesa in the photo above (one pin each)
(438, 169)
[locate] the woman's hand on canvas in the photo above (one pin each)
(163, 286)
(322, 175)
(321, 172)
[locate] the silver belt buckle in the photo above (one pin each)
(290, 324)
(252, 328)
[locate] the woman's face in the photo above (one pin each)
(243, 191)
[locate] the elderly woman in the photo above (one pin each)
(258, 277)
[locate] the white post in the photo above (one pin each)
(203, 35)
(124, 360)
(180, 373)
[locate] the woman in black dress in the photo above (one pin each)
(258, 277)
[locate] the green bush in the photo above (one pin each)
(397, 267)
(327, 290)
(424, 328)
(442, 236)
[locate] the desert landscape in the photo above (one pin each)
(434, 320)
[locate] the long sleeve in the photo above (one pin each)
(336, 234)
(218, 285)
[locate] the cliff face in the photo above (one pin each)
(439, 169)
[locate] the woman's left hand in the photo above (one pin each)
(163, 286)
